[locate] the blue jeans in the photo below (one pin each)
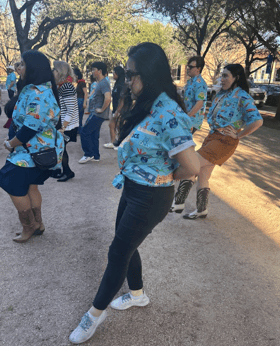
(81, 113)
(90, 136)
(141, 208)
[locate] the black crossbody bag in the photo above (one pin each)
(45, 158)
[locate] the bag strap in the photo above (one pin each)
(55, 142)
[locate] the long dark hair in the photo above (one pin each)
(38, 70)
(152, 65)
(78, 73)
(238, 72)
(119, 71)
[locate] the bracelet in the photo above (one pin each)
(8, 145)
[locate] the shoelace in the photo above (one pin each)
(126, 298)
(86, 323)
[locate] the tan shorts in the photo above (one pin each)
(218, 148)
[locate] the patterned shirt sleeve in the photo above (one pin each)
(176, 129)
(250, 113)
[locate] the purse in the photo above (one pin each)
(45, 158)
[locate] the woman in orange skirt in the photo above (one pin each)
(233, 115)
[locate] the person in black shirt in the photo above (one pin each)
(20, 81)
(82, 95)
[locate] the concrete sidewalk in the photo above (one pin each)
(211, 282)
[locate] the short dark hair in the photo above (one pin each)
(238, 72)
(100, 66)
(199, 61)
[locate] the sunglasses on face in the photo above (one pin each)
(129, 74)
(190, 67)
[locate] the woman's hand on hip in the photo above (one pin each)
(229, 131)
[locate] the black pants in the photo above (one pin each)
(65, 161)
(141, 208)
(11, 93)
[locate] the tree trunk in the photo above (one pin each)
(277, 114)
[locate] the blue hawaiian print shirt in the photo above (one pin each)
(235, 108)
(92, 86)
(11, 78)
(37, 109)
(145, 156)
(196, 90)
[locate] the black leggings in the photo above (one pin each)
(141, 208)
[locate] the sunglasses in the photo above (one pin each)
(129, 74)
(190, 67)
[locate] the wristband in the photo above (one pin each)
(8, 145)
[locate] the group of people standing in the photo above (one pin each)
(155, 148)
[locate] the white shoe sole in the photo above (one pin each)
(195, 215)
(85, 161)
(146, 302)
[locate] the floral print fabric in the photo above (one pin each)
(38, 110)
(235, 108)
(146, 155)
(196, 90)
(11, 78)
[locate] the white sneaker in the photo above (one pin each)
(85, 159)
(86, 327)
(127, 300)
(116, 148)
(195, 215)
(109, 146)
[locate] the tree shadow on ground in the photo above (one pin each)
(257, 159)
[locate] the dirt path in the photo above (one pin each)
(212, 282)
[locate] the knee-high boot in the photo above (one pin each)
(38, 217)
(29, 224)
(201, 205)
(181, 195)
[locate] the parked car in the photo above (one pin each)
(258, 94)
(273, 93)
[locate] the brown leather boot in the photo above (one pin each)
(29, 225)
(38, 218)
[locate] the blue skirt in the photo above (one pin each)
(16, 180)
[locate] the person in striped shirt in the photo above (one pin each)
(69, 112)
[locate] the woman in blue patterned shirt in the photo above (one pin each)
(35, 117)
(233, 115)
(155, 147)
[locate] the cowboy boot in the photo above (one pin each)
(29, 224)
(38, 218)
(181, 195)
(201, 205)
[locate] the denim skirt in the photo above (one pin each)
(16, 180)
